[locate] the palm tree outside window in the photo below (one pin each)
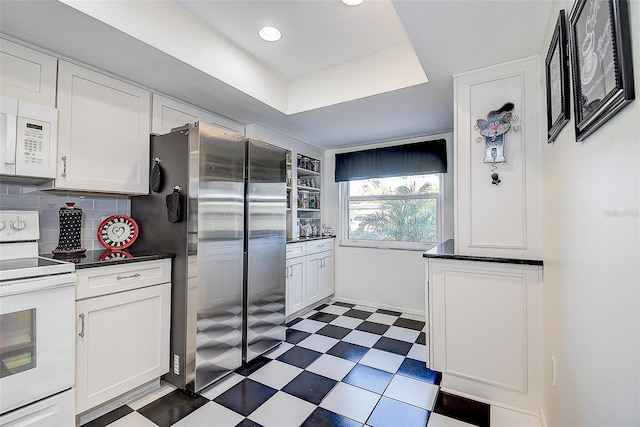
(401, 212)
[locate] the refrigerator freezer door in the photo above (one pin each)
(218, 286)
(266, 245)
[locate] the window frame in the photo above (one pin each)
(344, 225)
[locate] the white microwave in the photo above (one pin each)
(28, 140)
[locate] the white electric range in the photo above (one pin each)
(37, 328)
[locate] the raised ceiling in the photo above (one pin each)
(341, 76)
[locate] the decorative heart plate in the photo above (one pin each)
(117, 232)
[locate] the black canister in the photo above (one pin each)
(70, 229)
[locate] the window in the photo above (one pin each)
(400, 212)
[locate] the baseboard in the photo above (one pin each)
(543, 419)
(382, 306)
(356, 302)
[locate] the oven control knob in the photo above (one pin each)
(3, 224)
(18, 224)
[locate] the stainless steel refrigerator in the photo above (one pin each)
(226, 227)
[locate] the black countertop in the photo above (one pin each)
(446, 251)
(306, 239)
(106, 257)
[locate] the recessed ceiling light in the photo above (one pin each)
(270, 34)
(352, 2)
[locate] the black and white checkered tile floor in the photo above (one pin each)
(341, 365)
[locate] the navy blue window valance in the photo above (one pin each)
(420, 158)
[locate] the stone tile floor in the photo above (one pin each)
(341, 365)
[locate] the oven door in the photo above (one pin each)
(37, 339)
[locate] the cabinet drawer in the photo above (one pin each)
(117, 278)
(319, 246)
(295, 249)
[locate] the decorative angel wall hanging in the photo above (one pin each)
(493, 129)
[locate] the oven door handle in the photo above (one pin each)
(82, 329)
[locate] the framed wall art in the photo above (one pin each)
(557, 72)
(600, 40)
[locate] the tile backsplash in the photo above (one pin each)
(95, 208)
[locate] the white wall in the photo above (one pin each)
(393, 279)
(95, 208)
(591, 247)
(267, 135)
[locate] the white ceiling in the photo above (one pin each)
(316, 34)
(341, 76)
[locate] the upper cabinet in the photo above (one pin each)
(169, 113)
(498, 217)
(103, 122)
(103, 139)
(27, 74)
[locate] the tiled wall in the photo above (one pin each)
(95, 208)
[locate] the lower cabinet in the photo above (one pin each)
(309, 273)
(484, 330)
(320, 282)
(296, 298)
(122, 339)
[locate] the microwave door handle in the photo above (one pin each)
(9, 138)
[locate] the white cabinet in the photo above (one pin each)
(295, 283)
(309, 274)
(103, 140)
(314, 267)
(320, 283)
(484, 330)
(122, 339)
(501, 220)
(168, 113)
(27, 74)
(326, 284)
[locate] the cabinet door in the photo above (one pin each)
(103, 142)
(314, 267)
(325, 275)
(27, 74)
(296, 295)
(122, 342)
(169, 114)
(495, 309)
(213, 119)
